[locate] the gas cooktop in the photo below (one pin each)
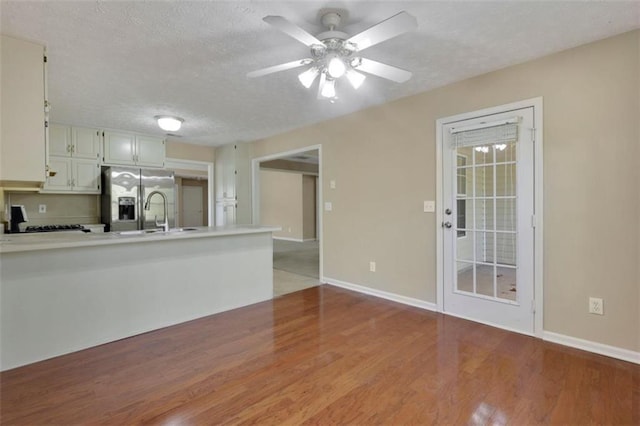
(54, 228)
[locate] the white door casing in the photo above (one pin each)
(489, 269)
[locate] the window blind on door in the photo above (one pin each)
(501, 132)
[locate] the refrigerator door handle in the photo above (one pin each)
(142, 217)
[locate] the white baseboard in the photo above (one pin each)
(598, 348)
(382, 294)
(297, 240)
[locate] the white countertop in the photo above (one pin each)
(11, 243)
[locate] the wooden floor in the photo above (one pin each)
(325, 356)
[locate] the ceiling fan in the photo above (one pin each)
(334, 54)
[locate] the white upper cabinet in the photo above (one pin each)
(85, 143)
(73, 175)
(134, 150)
(76, 142)
(22, 96)
(59, 178)
(150, 151)
(74, 160)
(119, 148)
(86, 176)
(59, 140)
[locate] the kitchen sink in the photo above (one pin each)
(139, 232)
(154, 231)
(182, 229)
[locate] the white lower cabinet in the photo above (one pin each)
(73, 175)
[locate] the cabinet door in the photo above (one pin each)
(150, 151)
(62, 179)
(59, 140)
(22, 95)
(86, 176)
(119, 148)
(86, 143)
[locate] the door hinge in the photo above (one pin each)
(533, 134)
(44, 57)
(533, 220)
(533, 306)
(46, 124)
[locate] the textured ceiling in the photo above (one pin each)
(116, 64)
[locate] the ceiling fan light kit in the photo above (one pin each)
(333, 52)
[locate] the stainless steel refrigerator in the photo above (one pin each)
(124, 193)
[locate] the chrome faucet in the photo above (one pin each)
(147, 206)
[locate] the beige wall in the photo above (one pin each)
(383, 162)
(62, 209)
(281, 202)
(188, 151)
(309, 207)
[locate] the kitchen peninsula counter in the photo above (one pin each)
(63, 292)
(11, 243)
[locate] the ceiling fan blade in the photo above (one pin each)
(277, 68)
(389, 28)
(383, 70)
(291, 29)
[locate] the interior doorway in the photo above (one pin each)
(193, 203)
(286, 190)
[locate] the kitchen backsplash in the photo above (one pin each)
(61, 209)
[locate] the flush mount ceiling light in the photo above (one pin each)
(335, 55)
(169, 123)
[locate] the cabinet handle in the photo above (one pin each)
(68, 148)
(73, 149)
(68, 182)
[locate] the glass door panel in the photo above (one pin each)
(486, 221)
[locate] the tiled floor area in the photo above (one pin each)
(295, 266)
(285, 282)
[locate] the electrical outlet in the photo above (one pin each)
(372, 266)
(328, 206)
(596, 306)
(332, 184)
(42, 208)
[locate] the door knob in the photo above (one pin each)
(446, 225)
(448, 211)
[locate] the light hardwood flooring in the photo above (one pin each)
(325, 356)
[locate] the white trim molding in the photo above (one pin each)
(589, 346)
(381, 294)
(296, 240)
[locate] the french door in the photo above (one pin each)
(488, 207)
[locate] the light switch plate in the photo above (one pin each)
(328, 206)
(429, 206)
(332, 184)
